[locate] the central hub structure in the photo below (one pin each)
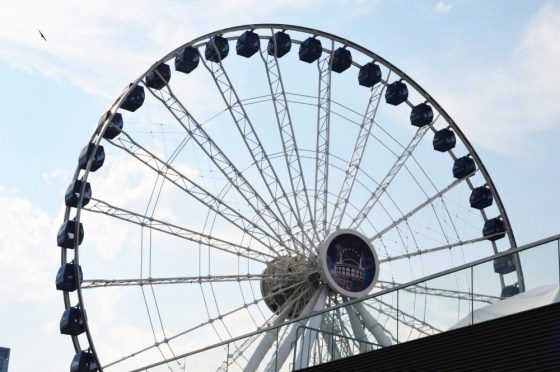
(349, 263)
(288, 284)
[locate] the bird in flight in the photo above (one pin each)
(43, 36)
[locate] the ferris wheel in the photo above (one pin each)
(249, 188)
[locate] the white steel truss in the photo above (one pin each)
(222, 162)
(260, 157)
(324, 67)
(384, 184)
(99, 206)
(339, 208)
(126, 143)
(287, 135)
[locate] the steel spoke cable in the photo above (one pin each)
(193, 189)
(405, 318)
(243, 298)
(356, 158)
(435, 249)
(436, 189)
(278, 320)
(397, 166)
(150, 264)
(240, 350)
(212, 325)
(440, 292)
(194, 328)
(215, 154)
(412, 235)
(151, 223)
(209, 223)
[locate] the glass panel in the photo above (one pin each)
(472, 295)
(448, 301)
(487, 289)
(208, 360)
(260, 349)
(412, 308)
(286, 344)
(379, 316)
(540, 266)
(310, 347)
(329, 341)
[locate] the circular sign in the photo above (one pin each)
(349, 263)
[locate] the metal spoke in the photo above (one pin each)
(383, 185)
(427, 202)
(403, 317)
(328, 337)
(317, 303)
(287, 135)
(240, 350)
(339, 327)
(100, 283)
(440, 292)
(258, 154)
(358, 329)
(99, 206)
(268, 340)
(356, 158)
(218, 157)
(373, 326)
(322, 148)
(435, 249)
(194, 328)
(126, 143)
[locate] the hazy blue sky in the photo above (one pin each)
(493, 65)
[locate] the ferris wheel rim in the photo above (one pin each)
(284, 27)
(366, 51)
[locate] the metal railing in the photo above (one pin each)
(397, 314)
(318, 346)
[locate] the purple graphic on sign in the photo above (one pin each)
(350, 262)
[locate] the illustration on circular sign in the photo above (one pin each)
(349, 263)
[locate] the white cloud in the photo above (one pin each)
(29, 256)
(100, 46)
(500, 106)
(54, 175)
(442, 7)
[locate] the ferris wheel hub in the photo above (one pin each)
(288, 283)
(349, 263)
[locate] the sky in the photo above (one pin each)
(493, 65)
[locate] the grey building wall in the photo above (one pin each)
(4, 359)
(526, 341)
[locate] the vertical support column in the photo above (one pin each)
(358, 329)
(318, 301)
(519, 271)
(328, 336)
(308, 341)
(374, 327)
